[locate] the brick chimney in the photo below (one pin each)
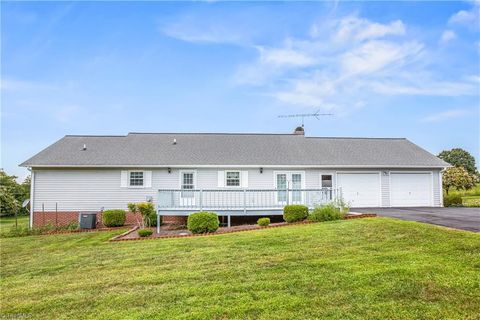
(299, 130)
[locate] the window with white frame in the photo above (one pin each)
(232, 179)
(136, 179)
(326, 180)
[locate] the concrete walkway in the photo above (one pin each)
(459, 218)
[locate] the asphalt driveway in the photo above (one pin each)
(458, 218)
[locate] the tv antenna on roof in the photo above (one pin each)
(305, 115)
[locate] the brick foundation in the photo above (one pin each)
(177, 220)
(63, 218)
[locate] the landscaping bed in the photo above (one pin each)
(179, 233)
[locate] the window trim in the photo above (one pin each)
(239, 179)
(129, 174)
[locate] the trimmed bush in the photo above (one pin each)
(263, 222)
(202, 222)
(327, 212)
(294, 213)
(452, 200)
(114, 218)
(145, 233)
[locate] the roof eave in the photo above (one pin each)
(231, 165)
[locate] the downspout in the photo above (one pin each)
(32, 190)
(440, 187)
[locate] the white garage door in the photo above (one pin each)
(411, 189)
(360, 189)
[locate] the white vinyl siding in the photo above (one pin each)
(92, 189)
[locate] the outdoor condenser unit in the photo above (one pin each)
(88, 220)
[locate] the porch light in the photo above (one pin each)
(169, 170)
(261, 170)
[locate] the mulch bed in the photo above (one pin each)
(183, 233)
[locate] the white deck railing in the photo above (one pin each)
(242, 199)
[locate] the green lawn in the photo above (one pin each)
(469, 197)
(6, 223)
(374, 268)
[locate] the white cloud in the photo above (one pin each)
(354, 28)
(464, 17)
(284, 57)
(447, 36)
(445, 115)
(374, 56)
(469, 18)
(359, 62)
(427, 88)
(8, 84)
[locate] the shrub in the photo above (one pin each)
(452, 200)
(145, 232)
(152, 219)
(20, 231)
(147, 210)
(293, 213)
(263, 222)
(72, 225)
(202, 222)
(114, 218)
(327, 212)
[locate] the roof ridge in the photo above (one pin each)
(369, 138)
(231, 134)
(94, 135)
(219, 133)
(263, 134)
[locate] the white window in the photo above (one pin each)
(232, 179)
(326, 180)
(135, 179)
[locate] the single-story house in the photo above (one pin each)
(231, 174)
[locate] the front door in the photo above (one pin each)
(187, 194)
(289, 185)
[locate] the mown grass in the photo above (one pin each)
(376, 268)
(6, 223)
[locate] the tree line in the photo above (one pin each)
(13, 194)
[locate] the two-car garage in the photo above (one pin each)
(400, 189)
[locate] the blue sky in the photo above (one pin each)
(385, 69)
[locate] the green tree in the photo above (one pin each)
(459, 158)
(12, 194)
(458, 178)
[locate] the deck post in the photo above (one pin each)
(228, 221)
(158, 222)
(245, 201)
(201, 200)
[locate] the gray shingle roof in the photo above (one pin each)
(202, 149)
